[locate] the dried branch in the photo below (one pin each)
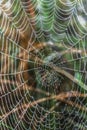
(23, 87)
(61, 97)
(68, 75)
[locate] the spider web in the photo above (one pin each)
(58, 101)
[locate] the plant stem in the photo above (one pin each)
(68, 75)
(61, 97)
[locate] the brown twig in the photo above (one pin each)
(61, 97)
(76, 105)
(24, 87)
(68, 75)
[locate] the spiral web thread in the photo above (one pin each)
(22, 23)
